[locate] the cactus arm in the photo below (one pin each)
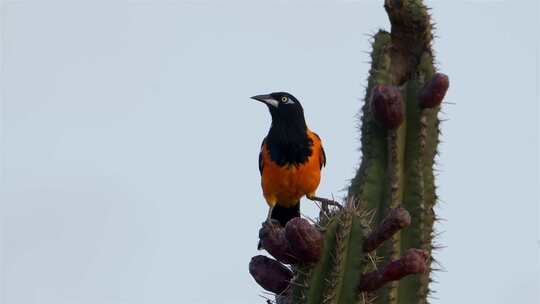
(376, 183)
(430, 131)
(413, 195)
(340, 259)
(355, 260)
(335, 279)
(370, 183)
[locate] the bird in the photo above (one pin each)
(291, 158)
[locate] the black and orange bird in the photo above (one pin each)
(291, 158)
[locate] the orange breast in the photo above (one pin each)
(285, 185)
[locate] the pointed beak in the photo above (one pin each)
(267, 99)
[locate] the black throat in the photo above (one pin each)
(288, 141)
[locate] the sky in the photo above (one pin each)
(129, 143)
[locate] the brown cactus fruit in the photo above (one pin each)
(371, 281)
(273, 240)
(433, 92)
(387, 106)
(305, 241)
(412, 262)
(397, 219)
(270, 274)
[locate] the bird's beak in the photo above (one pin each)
(267, 99)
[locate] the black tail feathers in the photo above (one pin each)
(283, 214)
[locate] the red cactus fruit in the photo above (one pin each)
(371, 281)
(270, 274)
(412, 262)
(397, 219)
(305, 241)
(273, 239)
(433, 91)
(387, 106)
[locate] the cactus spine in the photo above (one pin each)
(394, 187)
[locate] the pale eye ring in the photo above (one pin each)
(284, 99)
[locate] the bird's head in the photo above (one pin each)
(283, 107)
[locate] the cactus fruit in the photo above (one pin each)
(340, 260)
(387, 106)
(305, 241)
(273, 240)
(414, 261)
(270, 274)
(433, 92)
(396, 220)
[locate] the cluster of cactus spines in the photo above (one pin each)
(399, 149)
(339, 259)
(332, 261)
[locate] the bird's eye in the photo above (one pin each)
(284, 99)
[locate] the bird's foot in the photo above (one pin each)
(325, 202)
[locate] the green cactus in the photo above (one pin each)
(400, 131)
(397, 164)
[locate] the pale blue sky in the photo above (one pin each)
(113, 112)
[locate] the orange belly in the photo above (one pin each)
(286, 185)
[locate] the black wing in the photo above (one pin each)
(322, 160)
(323, 157)
(261, 157)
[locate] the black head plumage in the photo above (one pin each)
(287, 139)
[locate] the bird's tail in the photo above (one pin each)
(284, 214)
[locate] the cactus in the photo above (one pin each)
(331, 261)
(397, 164)
(341, 259)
